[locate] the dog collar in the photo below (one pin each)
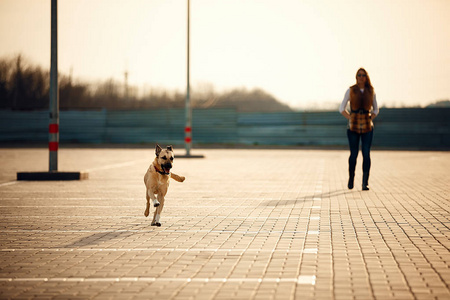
(161, 172)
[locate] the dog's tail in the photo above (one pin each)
(177, 178)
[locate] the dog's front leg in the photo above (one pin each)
(155, 202)
(177, 177)
(157, 215)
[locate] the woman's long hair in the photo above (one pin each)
(368, 84)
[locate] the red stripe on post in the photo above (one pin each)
(53, 146)
(187, 129)
(187, 139)
(53, 128)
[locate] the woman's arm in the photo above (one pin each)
(375, 109)
(342, 107)
(345, 114)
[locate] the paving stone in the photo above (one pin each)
(246, 224)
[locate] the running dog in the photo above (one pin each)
(157, 181)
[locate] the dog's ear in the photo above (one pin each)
(170, 148)
(158, 150)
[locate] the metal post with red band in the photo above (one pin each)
(188, 111)
(188, 134)
(53, 131)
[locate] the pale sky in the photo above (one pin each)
(303, 52)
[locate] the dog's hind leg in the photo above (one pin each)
(147, 208)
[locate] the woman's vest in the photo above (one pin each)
(360, 105)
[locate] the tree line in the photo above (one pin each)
(24, 86)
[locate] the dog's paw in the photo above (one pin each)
(182, 178)
(146, 212)
(156, 204)
(156, 224)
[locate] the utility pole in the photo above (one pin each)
(126, 84)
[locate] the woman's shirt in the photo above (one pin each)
(344, 103)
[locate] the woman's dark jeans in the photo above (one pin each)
(353, 141)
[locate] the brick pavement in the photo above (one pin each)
(246, 224)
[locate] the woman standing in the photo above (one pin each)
(363, 109)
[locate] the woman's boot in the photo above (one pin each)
(351, 179)
(365, 183)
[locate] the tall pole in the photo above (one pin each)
(188, 128)
(53, 129)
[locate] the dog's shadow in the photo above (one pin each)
(306, 198)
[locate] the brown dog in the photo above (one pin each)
(157, 181)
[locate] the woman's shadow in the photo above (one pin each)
(307, 198)
(97, 239)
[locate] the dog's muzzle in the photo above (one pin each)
(166, 168)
